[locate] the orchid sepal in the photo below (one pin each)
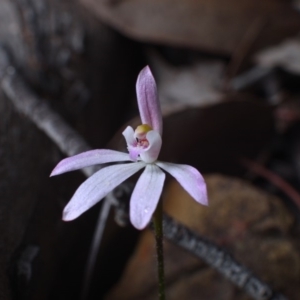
(90, 192)
(147, 98)
(189, 178)
(87, 159)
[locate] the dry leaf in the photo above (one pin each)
(215, 26)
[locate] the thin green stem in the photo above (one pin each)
(158, 229)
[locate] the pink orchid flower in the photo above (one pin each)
(144, 145)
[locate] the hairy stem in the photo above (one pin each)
(158, 229)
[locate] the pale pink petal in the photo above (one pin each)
(98, 186)
(146, 195)
(148, 103)
(189, 178)
(89, 158)
(131, 142)
(128, 134)
(151, 153)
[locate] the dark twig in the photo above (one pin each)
(70, 142)
(218, 259)
(273, 178)
(40, 113)
(250, 77)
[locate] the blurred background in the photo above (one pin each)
(228, 76)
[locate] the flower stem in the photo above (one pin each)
(158, 229)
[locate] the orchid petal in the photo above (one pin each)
(148, 103)
(131, 142)
(89, 158)
(151, 153)
(189, 178)
(128, 134)
(146, 195)
(98, 186)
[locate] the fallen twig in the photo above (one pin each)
(275, 179)
(40, 113)
(218, 259)
(248, 78)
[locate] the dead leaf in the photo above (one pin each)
(216, 26)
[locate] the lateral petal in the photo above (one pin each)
(128, 134)
(189, 178)
(148, 103)
(98, 186)
(89, 158)
(146, 195)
